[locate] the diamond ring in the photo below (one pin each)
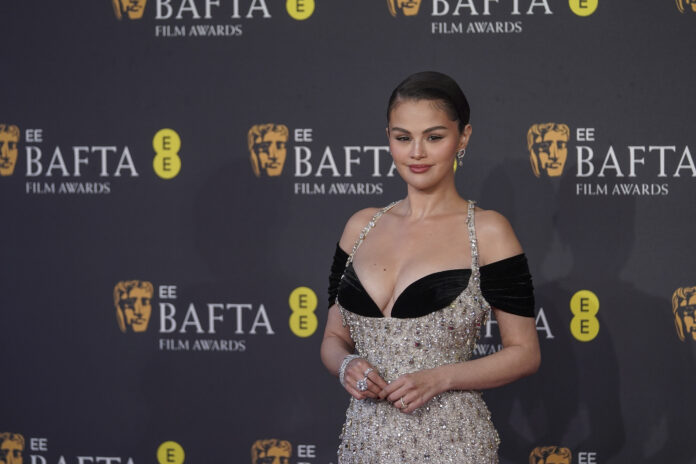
(367, 371)
(362, 384)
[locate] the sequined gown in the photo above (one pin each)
(453, 427)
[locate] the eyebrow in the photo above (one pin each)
(430, 129)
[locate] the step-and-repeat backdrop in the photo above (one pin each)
(175, 175)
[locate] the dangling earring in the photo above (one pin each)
(460, 156)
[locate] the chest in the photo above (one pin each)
(397, 254)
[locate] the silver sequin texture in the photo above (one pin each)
(453, 427)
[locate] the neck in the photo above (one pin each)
(421, 204)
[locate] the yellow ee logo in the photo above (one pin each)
(303, 321)
(167, 144)
(584, 305)
(583, 7)
(300, 9)
(170, 452)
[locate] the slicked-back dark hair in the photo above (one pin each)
(435, 86)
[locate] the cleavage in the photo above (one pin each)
(450, 282)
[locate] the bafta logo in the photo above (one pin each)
(268, 148)
(686, 5)
(9, 137)
(11, 448)
(271, 451)
(133, 9)
(550, 455)
(133, 301)
(684, 311)
(405, 7)
(548, 148)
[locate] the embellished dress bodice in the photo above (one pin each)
(453, 427)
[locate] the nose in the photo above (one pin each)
(553, 151)
(418, 150)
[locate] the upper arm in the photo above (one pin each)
(354, 226)
(520, 331)
(495, 236)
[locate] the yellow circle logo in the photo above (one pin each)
(584, 305)
(300, 9)
(303, 322)
(167, 163)
(583, 7)
(170, 452)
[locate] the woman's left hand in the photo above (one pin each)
(411, 391)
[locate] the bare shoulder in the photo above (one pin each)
(354, 226)
(496, 237)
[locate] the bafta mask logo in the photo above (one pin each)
(271, 451)
(405, 7)
(9, 138)
(548, 148)
(686, 5)
(550, 455)
(684, 311)
(268, 148)
(133, 301)
(11, 448)
(133, 9)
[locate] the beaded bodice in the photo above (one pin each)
(396, 346)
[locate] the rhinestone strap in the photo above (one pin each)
(367, 230)
(472, 240)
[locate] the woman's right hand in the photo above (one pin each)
(355, 371)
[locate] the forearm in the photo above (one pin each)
(333, 350)
(505, 366)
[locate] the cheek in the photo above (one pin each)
(398, 150)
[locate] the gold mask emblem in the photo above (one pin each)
(133, 301)
(550, 455)
(684, 312)
(686, 5)
(133, 9)
(548, 148)
(271, 451)
(9, 138)
(406, 7)
(11, 448)
(268, 148)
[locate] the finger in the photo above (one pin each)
(377, 380)
(389, 389)
(411, 405)
(399, 393)
(371, 392)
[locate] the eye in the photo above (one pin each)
(435, 137)
(403, 138)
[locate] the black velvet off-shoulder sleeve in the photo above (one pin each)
(507, 285)
(337, 268)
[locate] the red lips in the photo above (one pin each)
(419, 168)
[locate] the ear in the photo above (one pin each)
(465, 136)
(387, 130)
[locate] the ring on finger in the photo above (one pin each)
(362, 384)
(367, 371)
(403, 405)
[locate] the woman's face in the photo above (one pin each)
(423, 142)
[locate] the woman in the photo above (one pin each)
(411, 285)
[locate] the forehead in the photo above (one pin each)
(6, 135)
(136, 291)
(555, 135)
(10, 444)
(273, 135)
(419, 114)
